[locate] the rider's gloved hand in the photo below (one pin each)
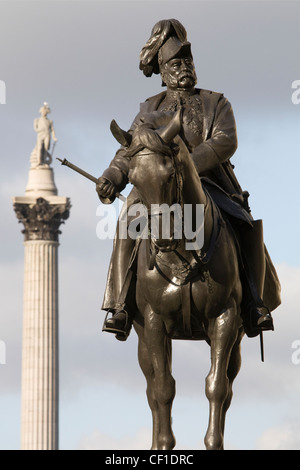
(105, 188)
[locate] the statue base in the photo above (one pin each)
(41, 182)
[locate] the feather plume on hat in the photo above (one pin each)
(162, 31)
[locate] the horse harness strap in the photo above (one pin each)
(204, 258)
(186, 293)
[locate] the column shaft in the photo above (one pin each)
(39, 426)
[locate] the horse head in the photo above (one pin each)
(155, 170)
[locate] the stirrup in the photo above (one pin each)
(256, 320)
(121, 332)
(265, 321)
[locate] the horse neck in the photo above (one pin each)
(193, 192)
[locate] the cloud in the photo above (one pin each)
(11, 277)
(283, 437)
(98, 441)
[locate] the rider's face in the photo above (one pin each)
(179, 73)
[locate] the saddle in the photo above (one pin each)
(233, 209)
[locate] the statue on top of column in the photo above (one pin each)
(44, 129)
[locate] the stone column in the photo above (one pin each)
(40, 347)
(41, 217)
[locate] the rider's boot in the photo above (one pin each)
(118, 320)
(258, 315)
(119, 323)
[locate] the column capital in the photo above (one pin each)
(42, 218)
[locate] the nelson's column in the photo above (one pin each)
(41, 212)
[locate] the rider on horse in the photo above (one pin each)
(209, 132)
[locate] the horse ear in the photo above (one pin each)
(168, 133)
(123, 137)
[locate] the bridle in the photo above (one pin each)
(178, 200)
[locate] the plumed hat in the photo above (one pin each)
(173, 48)
(168, 38)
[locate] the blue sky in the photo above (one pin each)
(82, 57)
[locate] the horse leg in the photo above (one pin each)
(223, 334)
(233, 370)
(148, 371)
(160, 383)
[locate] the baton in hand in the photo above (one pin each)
(86, 175)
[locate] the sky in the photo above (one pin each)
(82, 58)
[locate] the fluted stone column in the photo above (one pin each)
(40, 346)
(41, 212)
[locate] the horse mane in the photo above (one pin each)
(145, 136)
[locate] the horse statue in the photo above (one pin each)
(183, 293)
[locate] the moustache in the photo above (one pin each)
(186, 74)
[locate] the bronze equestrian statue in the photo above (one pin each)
(178, 151)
